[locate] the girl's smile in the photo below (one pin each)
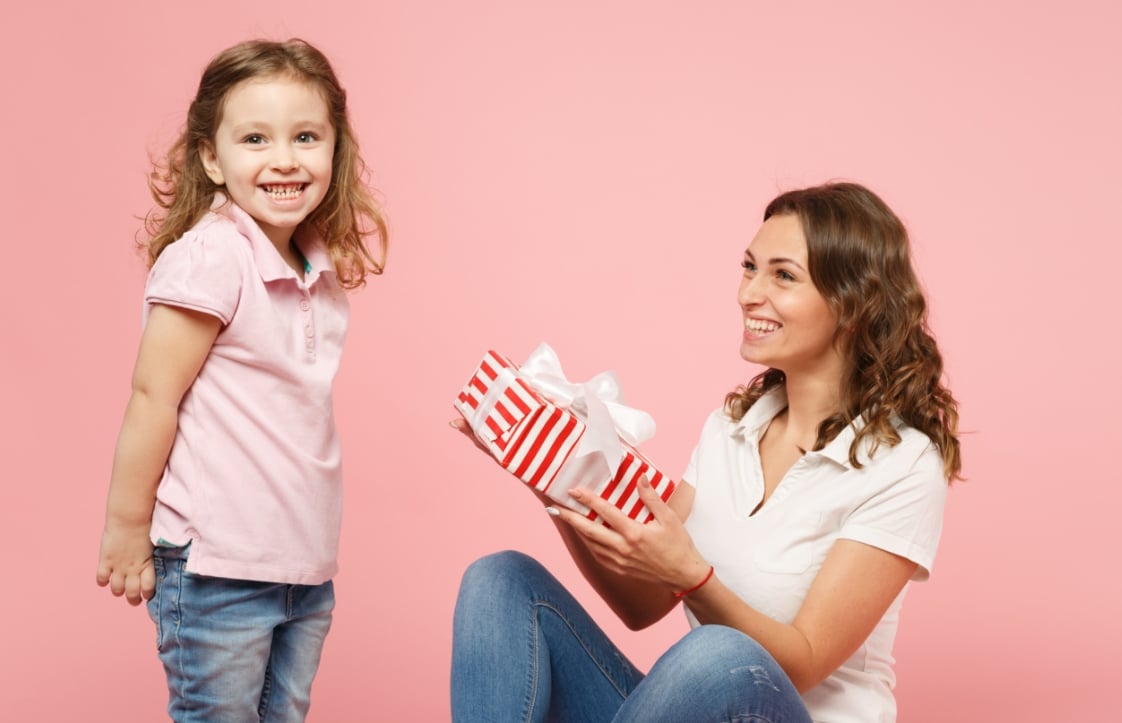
(273, 153)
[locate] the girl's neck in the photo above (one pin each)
(286, 246)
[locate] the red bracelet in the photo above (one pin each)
(682, 594)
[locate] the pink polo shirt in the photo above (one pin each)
(254, 478)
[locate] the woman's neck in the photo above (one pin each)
(810, 401)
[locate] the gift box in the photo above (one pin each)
(554, 434)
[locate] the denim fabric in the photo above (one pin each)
(523, 649)
(235, 650)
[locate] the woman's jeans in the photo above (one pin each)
(524, 650)
(234, 650)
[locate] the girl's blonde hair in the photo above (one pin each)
(859, 260)
(183, 192)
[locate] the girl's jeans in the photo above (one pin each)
(236, 650)
(524, 650)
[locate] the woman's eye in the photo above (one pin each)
(784, 275)
(747, 265)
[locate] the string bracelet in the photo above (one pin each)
(683, 593)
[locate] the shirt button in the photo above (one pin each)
(309, 331)
(304, 305)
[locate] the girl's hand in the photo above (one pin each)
(125, 563)
(660, 551)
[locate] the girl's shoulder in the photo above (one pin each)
(206, 269)
(213, 243)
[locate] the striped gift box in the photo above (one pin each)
(534, 438)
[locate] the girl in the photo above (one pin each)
(224, 502)
(814, 495)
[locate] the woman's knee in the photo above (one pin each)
(712, 648)
(499, 573)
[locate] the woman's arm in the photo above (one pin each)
(173, 348)
(848, 597)
(638, 602)
(850, 594)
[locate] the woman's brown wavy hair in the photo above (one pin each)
(859, 260)
(183, 192)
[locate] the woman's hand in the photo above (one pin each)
(659, 551)
(460, 425)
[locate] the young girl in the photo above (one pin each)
(814, 495)
(224, 502)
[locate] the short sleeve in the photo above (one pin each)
(202, 271)
(905, 516)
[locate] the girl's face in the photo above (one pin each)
(273, 152)
(787, 323)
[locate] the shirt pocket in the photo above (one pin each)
(791, 546)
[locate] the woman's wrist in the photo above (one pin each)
(679, 594)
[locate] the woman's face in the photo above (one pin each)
(787, 323)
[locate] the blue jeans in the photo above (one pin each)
(236, 650)
(524, 650)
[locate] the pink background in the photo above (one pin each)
(588, 173)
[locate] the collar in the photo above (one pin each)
(270, 265)
(752, 425)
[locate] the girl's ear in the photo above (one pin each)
(210, 163)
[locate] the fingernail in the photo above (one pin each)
(553, 511)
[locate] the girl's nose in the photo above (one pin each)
(285, 159)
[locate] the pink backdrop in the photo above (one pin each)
(588, 174)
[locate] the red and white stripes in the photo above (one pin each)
(533, 438)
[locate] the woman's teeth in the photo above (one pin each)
(760, 327)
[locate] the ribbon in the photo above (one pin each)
(598, 401)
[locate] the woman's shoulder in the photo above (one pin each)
(915, 457)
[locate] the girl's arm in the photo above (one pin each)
(848, 597)
(174, 346)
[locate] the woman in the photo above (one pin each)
(812, 498)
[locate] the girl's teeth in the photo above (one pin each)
(284, 191)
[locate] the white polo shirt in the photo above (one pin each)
(894, 502)
(254, 479)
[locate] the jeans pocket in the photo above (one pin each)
(163, 608)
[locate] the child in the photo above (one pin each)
(224, 504)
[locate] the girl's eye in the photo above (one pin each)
(254, 139)
(306, 138)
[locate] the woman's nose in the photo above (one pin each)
(750, 291)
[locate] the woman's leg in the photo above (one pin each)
(715, 674)
(524, 650)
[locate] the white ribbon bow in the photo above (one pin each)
(542, 370)
(599, 401)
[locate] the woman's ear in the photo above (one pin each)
(210, 163)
